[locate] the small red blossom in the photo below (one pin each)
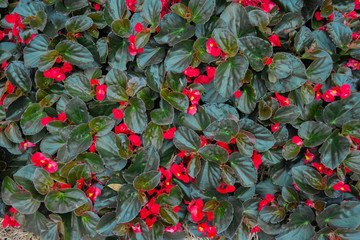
(93, 145)
(101, 92)
(136, 228)
(135, 140)
(224, 145)
(309, 156)
(192, 109)
(118, 113)
(131, 5)
(309, 203)
(51, 167)
(268, 199)
(203, 79)
(173, 229)
(256, 158)
(30, 38)
(318, 16)
(268, 61)
(204, 228)
(210, 215)
(67, 67)
(150, 222)
(322, 169)
(26, 145)
(2, 35)
(224, 188)
(345, 91)
(92, 193)
(10, 221)
(194, 96)
(212, 48)
(39, 159)
(169, 134)
(122, 128)
(237, 93)
(191, 72)
(4, 65)
(55, 73)
(328, 97)
(196, 210)
(210, 71)
(255, 229)
(94, 82)
(80, 183)
(132, 48)
(97, 6)
(275, 41)
(275, 127)
(180, 172)
(341, 186)
(297, 140)
(284, 101)
(357, 4)
(139, 27)
(355, 65)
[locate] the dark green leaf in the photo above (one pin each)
(102, 125)
(128, 204)
(186, 139)
(176, 99)
(223, 216)
(147, 181)
(313, 133)
(179, 57)
(74, 53)
(201, 10)
(78, 86)
(247, 102)
(24, 202)
(222, 130)
(78, 24)
(76, 111)
(151, 10)
(31, 119)
(135, 115)
(65, 200)
(226, 41)
(244, 169)
(228, 75)
(214, 153)
(18, 76)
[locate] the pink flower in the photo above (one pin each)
(355, 65)
(196, 210)
(39, 159)
(173, 229)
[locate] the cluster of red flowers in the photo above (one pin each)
(330, 94)
(265, 5)
(46, 120)
(322, 169)
(206, 79)
(194, 97)
(180, 172)
(131, 4)
(132, 48)
(224, 188)
(166, 6)
(165, 183)
(197, 214)
(100, 89)
(9, 220)
(10, 89)
(357, 4)
(355, 65)
(134, 139)
(92, 192)
(318, 16)
(268, 199)
(40, 160)
(58, 73)
(118, 113)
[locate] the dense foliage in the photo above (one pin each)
(160, 119)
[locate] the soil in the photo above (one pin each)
(10, 233)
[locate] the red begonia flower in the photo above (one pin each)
(341, 186)
(275, 41)
(237, 94)
(169, 134)
(118, 113)
(180, 172)
(101, 92)
(212, 48)
(92, 193)
(256, 158)
(275, 127)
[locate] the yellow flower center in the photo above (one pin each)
(201, 229)
(211, 45)
(178, 174)
(91, 194)
(342, 188)
(49, 165)
(355, 64)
